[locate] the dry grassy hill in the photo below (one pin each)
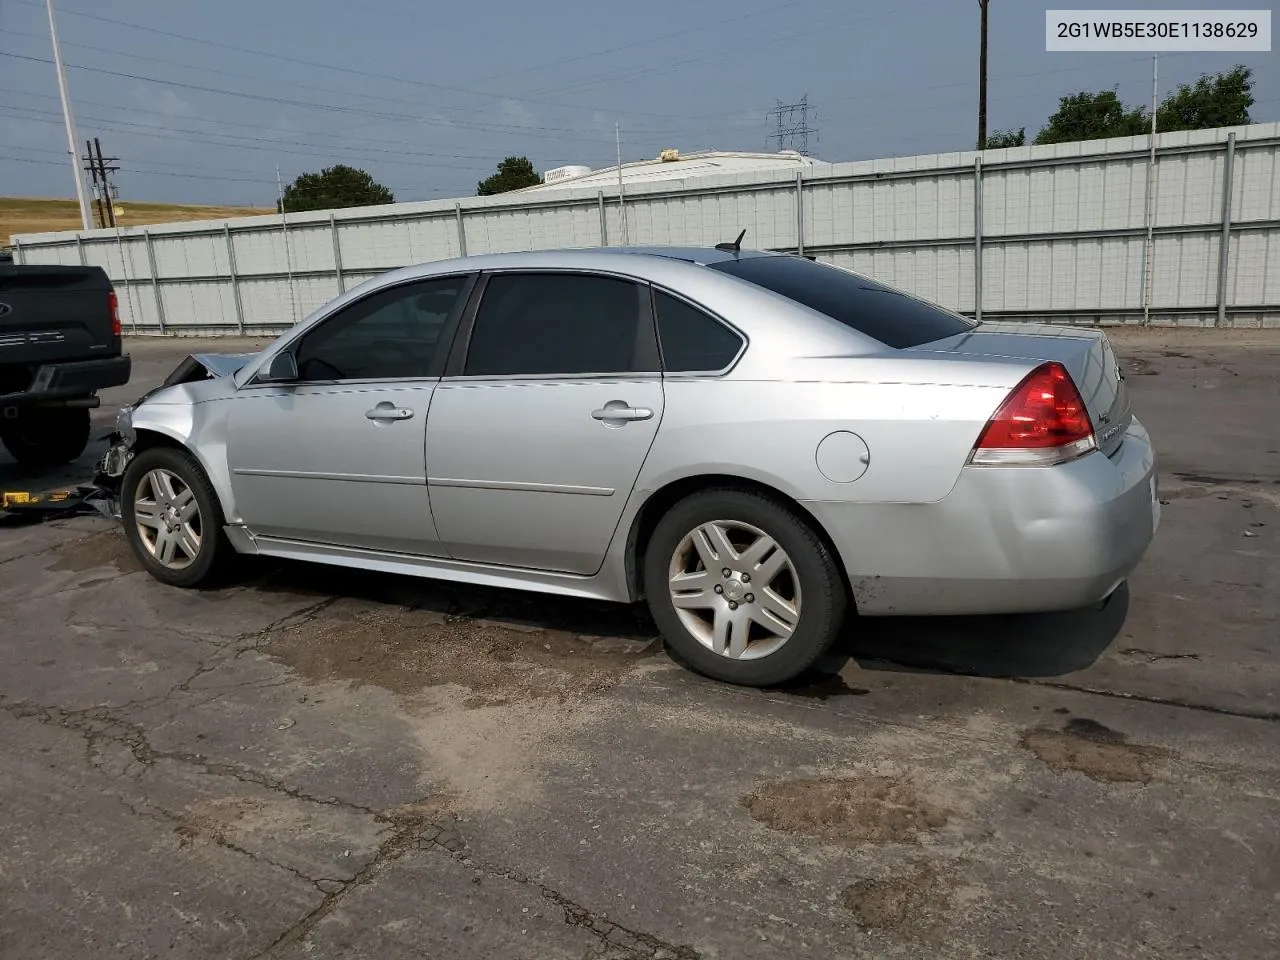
(39, 215)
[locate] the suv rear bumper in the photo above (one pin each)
(75, 378)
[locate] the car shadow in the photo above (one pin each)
(1022, 645)
(1026, 645)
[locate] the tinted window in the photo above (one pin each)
(547, 324)
(393, 334)
(890, 316)
(692, 340)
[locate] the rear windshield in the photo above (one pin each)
(888, 315)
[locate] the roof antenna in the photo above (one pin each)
(734, 247)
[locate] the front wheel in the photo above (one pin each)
(172, 518)
(742, 588)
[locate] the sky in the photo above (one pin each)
(201, 101)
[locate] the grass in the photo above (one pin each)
(20, 215)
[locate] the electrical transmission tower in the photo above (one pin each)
(793, 126)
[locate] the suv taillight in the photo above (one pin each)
(1043, 421)
(114, 305)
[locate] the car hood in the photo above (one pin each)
(207, 366)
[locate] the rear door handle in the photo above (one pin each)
(617, 411)
(386, 411)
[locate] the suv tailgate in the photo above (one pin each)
(54, 313)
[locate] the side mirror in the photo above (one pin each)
(283, 368)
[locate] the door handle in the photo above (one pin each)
(618, 412)
(385, 411)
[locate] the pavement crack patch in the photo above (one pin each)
(1271, 716)
(99, 724)
(1100, 753)
(411, 829)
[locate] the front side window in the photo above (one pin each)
(394, 334)
(548, 324)
(894, 318)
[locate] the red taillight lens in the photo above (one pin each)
(114, 304)
(1044, 420)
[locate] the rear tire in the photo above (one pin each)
(173, 519)
(45, 437)
(767, 620)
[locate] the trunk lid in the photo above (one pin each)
(1086, 354)
(52, 313)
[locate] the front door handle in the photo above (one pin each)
(387, 411)
(618, 412)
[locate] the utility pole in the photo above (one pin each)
(103, 169)
(982, 79)
(98, 168)
(92, 166)
(86, 218)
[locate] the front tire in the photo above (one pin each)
(742, 588)
(46, 437)
(173, 519)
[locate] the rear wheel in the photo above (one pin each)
(45, 437)
(172, 518)
(742, 588)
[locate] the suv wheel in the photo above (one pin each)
(45, 437)
(742, 588)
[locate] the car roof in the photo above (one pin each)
(581, 257)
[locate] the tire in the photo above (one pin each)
(801, 605)
(162, 539)
(45, 437)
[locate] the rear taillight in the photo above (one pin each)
(114, 304)
(1043, 421)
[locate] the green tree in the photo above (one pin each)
(1006, 138)
(1092, 116)
(514, 173)
(1222, 100)
(332, 187)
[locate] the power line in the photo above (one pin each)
(319, 64)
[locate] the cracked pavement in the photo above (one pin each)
(314, 762)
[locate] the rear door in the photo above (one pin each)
(534, 446)
(337, 457)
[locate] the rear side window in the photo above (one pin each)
(547, 324)
(890, 316)
(692, 340)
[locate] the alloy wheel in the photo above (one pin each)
(167, 516)
(734, 589)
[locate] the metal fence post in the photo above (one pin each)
(977, 238)
(17, 251)
(1224, 245)
(155, 280)
(235, 279)
(800, 214)
(604, 222)
(462, 233)
(80, 250)
(337, 255)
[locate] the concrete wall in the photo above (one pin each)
(1062, 235)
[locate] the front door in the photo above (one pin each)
(533, 451)
(337, 457)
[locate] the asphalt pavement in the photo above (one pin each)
(313, 762)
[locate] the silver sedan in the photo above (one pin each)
(759, 445)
